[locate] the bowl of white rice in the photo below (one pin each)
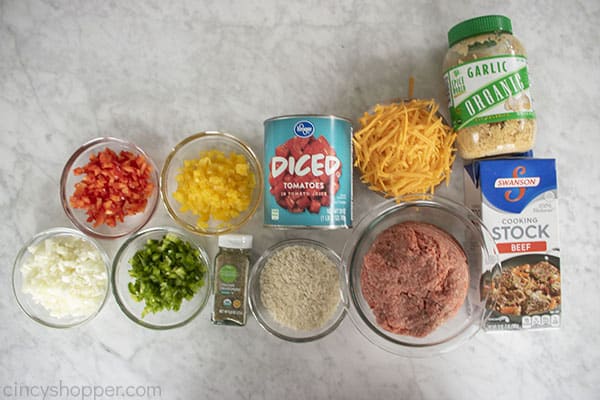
(60, 278)
(297, 290)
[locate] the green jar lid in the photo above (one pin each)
(477, 26)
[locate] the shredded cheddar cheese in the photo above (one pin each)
(404, 148)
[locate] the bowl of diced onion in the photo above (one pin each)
(61, 278)
(211, 183)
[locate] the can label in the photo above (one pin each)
(309, 161)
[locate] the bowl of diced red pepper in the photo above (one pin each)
(109, 188)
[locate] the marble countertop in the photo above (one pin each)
(155, 72)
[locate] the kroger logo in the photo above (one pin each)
(304, 129)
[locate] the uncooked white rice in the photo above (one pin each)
(300, 288)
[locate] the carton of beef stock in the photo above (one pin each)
(517, 200)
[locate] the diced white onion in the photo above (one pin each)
(66, 275)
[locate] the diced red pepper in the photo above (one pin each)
(113, 186)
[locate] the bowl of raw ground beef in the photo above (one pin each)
(414, 266)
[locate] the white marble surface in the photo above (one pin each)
(156, 71)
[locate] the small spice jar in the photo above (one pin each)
(490, 103)
(231, 280)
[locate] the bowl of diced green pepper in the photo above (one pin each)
(161, 277)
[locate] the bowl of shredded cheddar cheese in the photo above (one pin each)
(211, 183)
(404, 147)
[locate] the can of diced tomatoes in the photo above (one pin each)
(309, 179)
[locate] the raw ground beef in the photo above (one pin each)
(414, 277)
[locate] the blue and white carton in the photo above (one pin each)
(517, 200)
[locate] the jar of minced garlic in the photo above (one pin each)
(490, 103)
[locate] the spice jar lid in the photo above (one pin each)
(235, 241)
(477, 26)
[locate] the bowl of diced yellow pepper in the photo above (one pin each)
(211, 183)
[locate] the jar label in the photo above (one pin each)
(488, 90)
(230, 286)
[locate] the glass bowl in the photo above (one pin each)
(469, 232)
(189, 149)
(33, 309)
(264, 317)
(166, 319)
(78, 216)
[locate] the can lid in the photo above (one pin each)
(477, 26)
(235, 241)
